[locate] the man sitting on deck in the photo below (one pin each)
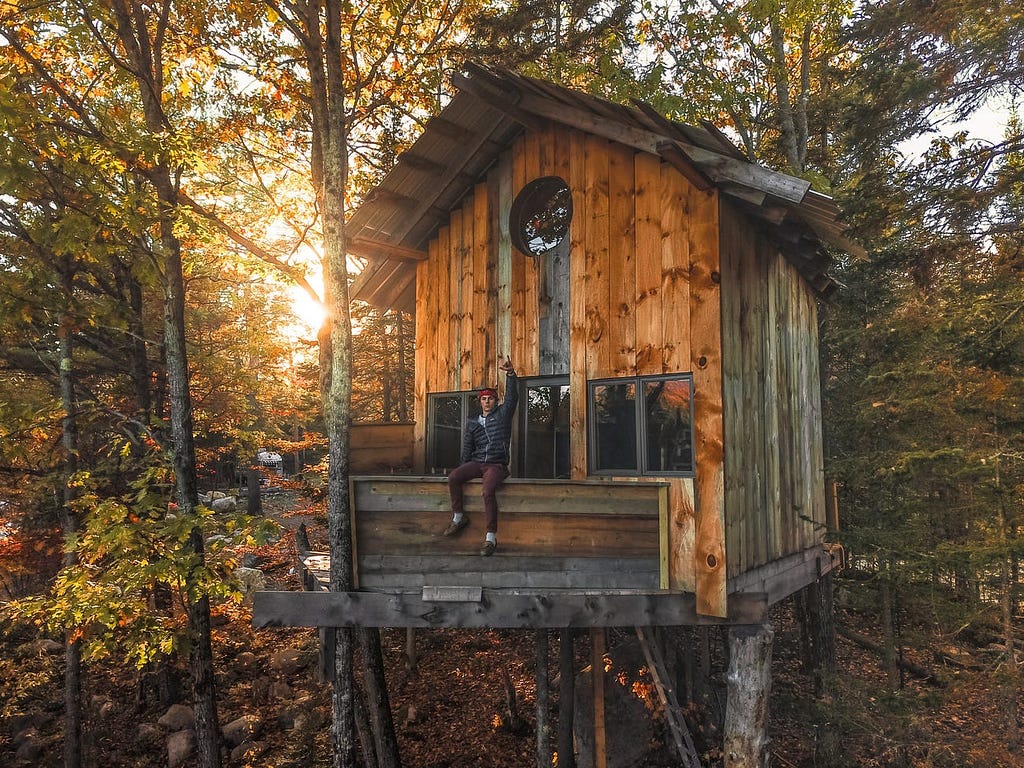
(485, 454)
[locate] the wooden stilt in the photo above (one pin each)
(597, 648)
(566, 701)
(748, 685)
(541, 678)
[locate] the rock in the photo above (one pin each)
(288, 661)
(177, 718)
(245, 660)
(29, 750)
(149, 733)
(249, 560)
(106, 710)
(241, 730)
(279, 689)
(629, 742)
(48, 647)
(250, 579)
(248, 751)
(227, 504)
(180, 747)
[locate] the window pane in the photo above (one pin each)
(547, 432)
(669, 432)
(614, 417)
(446, 442)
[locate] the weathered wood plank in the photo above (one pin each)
(706, 355)
(621, 261)
(578, 308)
(677, 219)
(484, 365)
(502, 184)
(532, 273)
(649, 331)
(496, 609)
(468, 373)
(425, 326)
(450, 283)
(597, 234)
(522, 356)
(681, 532)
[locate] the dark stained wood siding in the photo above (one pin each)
(774, 494)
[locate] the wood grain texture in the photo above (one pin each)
(597, 284)
(648, 302)
(578, 307)
(621, 261)
(706, 361)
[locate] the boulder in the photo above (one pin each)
(149, 733)
(250, 579)
(30, 750)
(288, 661)
(180, 747)
(279, 689)
(247, 752)
(241, 730)
(226, 504)
(48, 647)
(178, 717)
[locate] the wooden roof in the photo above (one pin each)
(396, 220)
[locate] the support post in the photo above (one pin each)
(566, 701)
(541, 679)
(748, 685)
(597, 647)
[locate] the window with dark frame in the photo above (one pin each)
(641, 425)
(447, 414)
(544, 428)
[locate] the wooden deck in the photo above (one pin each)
(570, 554)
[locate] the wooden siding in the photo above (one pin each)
(775, 494)
(381, 447)
(554, 534)
(639, 234)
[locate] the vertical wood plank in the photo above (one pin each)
(773, 458)
(706, 355)
(519, 351)
(503, 253)
(485, 368)
(534, 141)
(468, 287)
(648, 264)
(678, 223)
(597, 651)
(598, 298)
(424, 327)
(681, 534)
(621, 261)
(560, 286)
(443, 345)
(578, 308)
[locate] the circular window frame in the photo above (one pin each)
(533, 200)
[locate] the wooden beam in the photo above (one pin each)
(497, 609)
(675, 157)
(502, 100)
(721, 169)
(380, 249)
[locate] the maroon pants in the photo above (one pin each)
(493, 475)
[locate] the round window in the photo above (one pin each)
(540, 215)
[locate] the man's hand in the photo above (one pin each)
(506, 365)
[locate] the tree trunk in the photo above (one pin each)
(566, 700)
(543, 751)
(892, 669)
(377, 699)
(69, 440)
(748, 685)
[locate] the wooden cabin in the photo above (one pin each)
(657, 292)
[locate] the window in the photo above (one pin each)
(647, 435)
(540, 215)
(447, 414)
(544, 428)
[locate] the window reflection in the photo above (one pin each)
(546, 437)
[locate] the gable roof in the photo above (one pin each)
(396, 220)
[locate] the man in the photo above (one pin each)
(485, 454)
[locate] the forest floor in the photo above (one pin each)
(449, 710)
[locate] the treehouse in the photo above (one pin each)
(657, 294)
